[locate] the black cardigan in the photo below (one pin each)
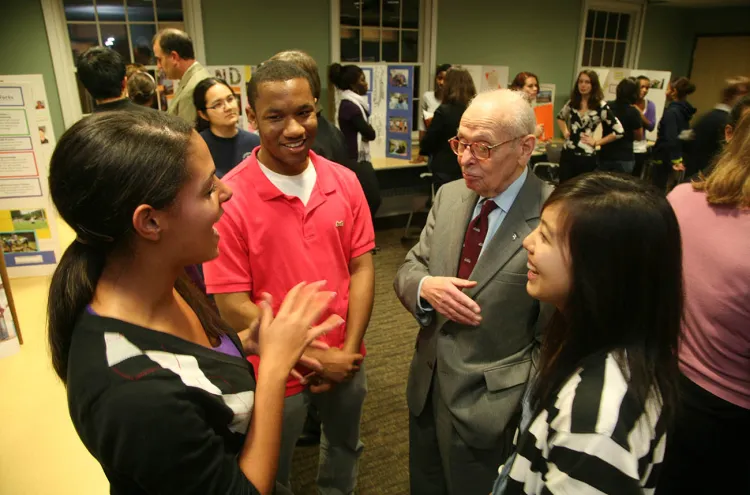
(161, 415)
(444, 126)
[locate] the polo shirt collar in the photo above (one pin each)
(267, 191)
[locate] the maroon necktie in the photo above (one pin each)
(474, 239)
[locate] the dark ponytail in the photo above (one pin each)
(102, 169)
(344, 76)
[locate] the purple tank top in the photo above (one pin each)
(225, 346)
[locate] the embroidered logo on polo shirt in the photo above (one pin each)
(339, 223)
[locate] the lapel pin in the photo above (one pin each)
(515, 236)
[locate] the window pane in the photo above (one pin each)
(370, 45)
(115, 36)
(79, 10)
(609, 54)
(409, 46)
(612, 25)
(391, 13)
(601, 24)
(349, 45)
(370, 12)
(620, 54)
(110, 10)
(596, 53)
(173, 25)
(140, 37)
(416, 82)
(390, 45)
(410, 14)
(350, 12)
(622, 32)
(586, 59)
(168, 10)
(590, 19)
(141, 10)
(415, 111)
(82, 37)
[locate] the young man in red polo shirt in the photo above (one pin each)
(297, 217)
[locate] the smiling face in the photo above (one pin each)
(549, 275)
(285, 118)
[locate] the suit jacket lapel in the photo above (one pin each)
(460, 216)
(509, 237)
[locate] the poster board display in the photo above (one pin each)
(10, 332)
(487, 77)
(400, 111)
(610, 77)
(544, 110)
(376, 76)
(28, 228)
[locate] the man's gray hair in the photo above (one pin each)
(510, 109)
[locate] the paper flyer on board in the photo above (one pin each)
(28, 230)
(400, 111)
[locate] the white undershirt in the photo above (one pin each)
(299, 186)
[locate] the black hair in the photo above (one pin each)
(274, 71)
(682, 87)
(173, 40)
(199, 99)
(628, 91)
(307, 63)
(442, 68)
(643, 78)
(595, 96)
(102, 169)
(627, 296)
(344, 76)
(101, 70)
(738, 110)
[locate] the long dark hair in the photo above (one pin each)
(344, 76)
(595, 96)
(458, 88)
(199, 99)
(626, 294)
(102, 169)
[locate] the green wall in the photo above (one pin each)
(539, 36)
(24, 50)
(249, 32)
(669, 34)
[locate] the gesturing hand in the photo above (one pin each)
(282, 339)
(445, 296)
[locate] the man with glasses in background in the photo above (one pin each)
(465, 283)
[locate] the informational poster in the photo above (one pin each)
(400, 111)
(376, 76)
(544, 110)
(610, 77)
(487, 77)
(28, 230)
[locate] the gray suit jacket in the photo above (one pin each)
(482, 370)
(181, 103)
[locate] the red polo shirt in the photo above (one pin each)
(270, 242)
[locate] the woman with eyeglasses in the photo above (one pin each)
(457, 91)
(218, 113)
(582, 114)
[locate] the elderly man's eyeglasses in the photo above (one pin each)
(228, 101)
(480, 151)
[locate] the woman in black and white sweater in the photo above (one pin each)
(159, 389)
(607, 255)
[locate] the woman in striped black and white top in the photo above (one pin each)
(607, 255)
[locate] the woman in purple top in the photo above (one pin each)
(354, 110)
(647, 110)
(708, 451)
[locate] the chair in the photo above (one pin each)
(419, 205)
(549, 170)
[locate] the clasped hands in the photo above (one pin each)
(445, 295)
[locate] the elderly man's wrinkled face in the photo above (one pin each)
(490, 177)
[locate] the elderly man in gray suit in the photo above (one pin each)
(465, 282)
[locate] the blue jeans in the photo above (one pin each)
(622, 166)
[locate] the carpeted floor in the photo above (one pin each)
(384, 467)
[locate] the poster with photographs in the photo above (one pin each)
(399, 113)
(377, 84)
(28, 234)
(10, 333)
(657, 93)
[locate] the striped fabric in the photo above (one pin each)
(593, 440)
